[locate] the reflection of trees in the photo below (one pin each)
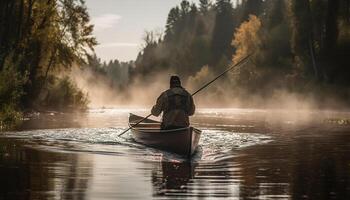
(13, 172)
(322, 169)
(28, 173)
(78, 174)
(310, 166)
(265, 173)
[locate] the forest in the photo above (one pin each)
(299, 47)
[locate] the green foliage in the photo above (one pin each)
(11, 90)
(11, 86)
(275, 51)
(224, 27)
(39, 39)
(186, 45)
(64, 95)
(301, 35)
(42, 37)
(9, 117)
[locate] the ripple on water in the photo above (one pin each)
(215, 145)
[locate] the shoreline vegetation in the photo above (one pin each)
(301, 55)
(40, 41)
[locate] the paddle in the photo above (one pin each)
(204, 86)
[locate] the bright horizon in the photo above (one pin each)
(120, 25)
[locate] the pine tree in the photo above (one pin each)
(252, 7)
(223, 31)
(185, 8)
(204, 6)
(301, 36)
(172, 21)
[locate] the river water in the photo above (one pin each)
(243, 154)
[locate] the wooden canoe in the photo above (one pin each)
(182, 141)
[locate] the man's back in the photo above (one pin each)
(177, 105)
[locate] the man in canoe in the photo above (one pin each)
(176, 104)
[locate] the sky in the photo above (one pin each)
(121, 24)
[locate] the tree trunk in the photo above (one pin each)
(51, 62)
(7, 23)
(20, 22)
(302, 33)
(347, 12)
(312, 54)
(331, 26)
(31, 88)
(312, 41)
(29, 16)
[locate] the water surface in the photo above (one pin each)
(243, 154)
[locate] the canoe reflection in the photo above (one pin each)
(172, 177)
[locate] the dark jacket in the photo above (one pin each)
(177, 105)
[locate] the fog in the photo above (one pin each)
(143, 89)
(142, 92)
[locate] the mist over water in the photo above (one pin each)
(142, 92)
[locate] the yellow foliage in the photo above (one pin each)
(200, 78)
(246, 38)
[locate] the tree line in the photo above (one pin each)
(114, 73)
(301, 46)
